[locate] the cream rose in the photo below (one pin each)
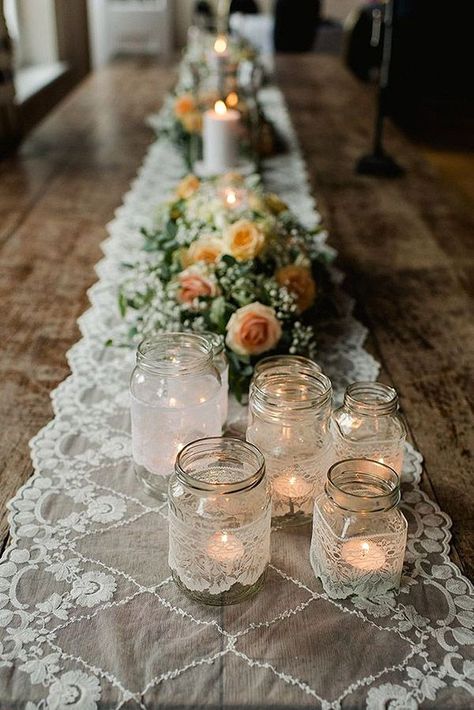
(193, 283)
(207, 248)
(244, 240)
(253, 329)
(187, 187)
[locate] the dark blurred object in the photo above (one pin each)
(378, 162)
(296, 23)
(430, 89)
(203, 15)
(246, 7)
(364, 37)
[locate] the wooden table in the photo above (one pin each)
(403, 244)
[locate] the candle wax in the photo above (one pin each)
(224, 547)
(363, 554)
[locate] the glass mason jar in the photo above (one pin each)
(222, 364)
(293, 363)
(359, 534)
(289, 422)
(219, 521)
(175, 393)
(369, 426)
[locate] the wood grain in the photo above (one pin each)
(403, 244)
(56, 197)
(406, 247)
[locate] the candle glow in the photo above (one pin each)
(220, 108)
(224, 547)
(291, 486)
(220, 45)
(232, 100)
(363, 554)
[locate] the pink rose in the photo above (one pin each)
(193, 284)
(253, 330)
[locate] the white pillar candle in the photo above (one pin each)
(218, 59)
(221, 138)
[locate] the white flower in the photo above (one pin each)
(390, 697)
(74, 690)
(64, 569)
(92, 588)
(106, 509)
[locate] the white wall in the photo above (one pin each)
(37, 32)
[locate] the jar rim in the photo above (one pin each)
(157, 353)
(371, 398)
(347, 479)
(274, 361)
(214, 444)
(271, 392)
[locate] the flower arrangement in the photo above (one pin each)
(224, 256)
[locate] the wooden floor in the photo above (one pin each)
(404, 245)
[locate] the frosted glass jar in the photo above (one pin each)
(359, 534)
(369, 426)
(219, 521)
(288, 421)
(222, 364)
(176, 395)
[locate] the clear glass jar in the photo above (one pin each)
(288, 421)
(175, 393)
(294, 363)
(222, 364)
(369, 426)
(359, 534)
(219, 521)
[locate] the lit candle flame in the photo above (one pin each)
(231, 198)
(220, 45)
(172, 402)
(220, 108)
(232, 100)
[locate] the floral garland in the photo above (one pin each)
(225, 256)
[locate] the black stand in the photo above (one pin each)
(378, 162)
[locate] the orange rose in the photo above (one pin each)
(207, 248)
(244, 240)
(300, 283)
(194, 284)
(192, 122)
(253, 329)
(187, 187)
(184, 104)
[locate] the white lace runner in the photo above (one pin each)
(191, 558)
(89, 615)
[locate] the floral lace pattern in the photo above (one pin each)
(89, 616)
(199, 571)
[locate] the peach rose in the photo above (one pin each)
(300, 283)
(193, 283)
(207, 248)
(184, 104)
(192, 122)
(253, 330)
(244, 240)
(187, 187)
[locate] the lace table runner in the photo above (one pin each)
(89, 616)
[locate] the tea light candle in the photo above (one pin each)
(363, 554)
(233, 198)
(220, 138)
(225, 548)
(291, 486)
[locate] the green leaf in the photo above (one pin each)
(122, 304)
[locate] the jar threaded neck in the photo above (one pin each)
(175, 354)
(283, 394)
(363, 485)
(371, 398)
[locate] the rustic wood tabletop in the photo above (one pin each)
(404, 245)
